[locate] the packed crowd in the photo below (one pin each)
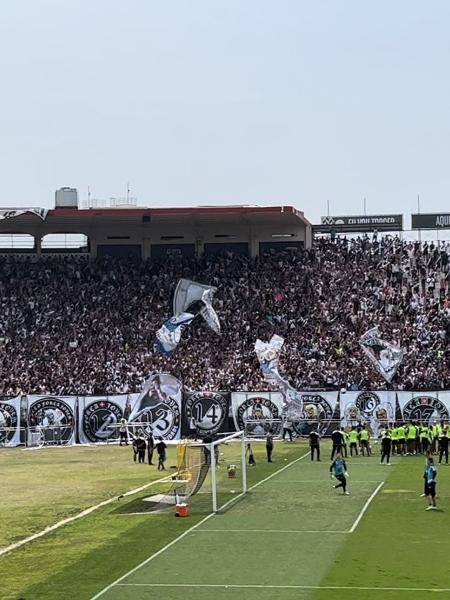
(69, 326)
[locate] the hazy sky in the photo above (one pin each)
(233, 101)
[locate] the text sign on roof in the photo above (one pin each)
(431, 221)
(362, 223)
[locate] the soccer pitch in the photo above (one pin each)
(292, 536)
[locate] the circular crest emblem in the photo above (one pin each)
(257, 415)
(54, 417)
(8, 423)
(161, 419)
(209, 410)
(366, 403)
(425, 409)
(317, 414)
(99, 418)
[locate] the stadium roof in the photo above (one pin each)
(72, 217)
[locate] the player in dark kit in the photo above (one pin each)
(338, 440)
(338, 469)
(314, 444)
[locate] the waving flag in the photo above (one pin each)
(190, 300)
(268, 356)
(190, 294)
(168, 335)
(385, 357)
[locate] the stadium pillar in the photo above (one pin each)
(38, 245)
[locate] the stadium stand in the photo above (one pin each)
(69, 325)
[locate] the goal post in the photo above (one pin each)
(218, 478)
(212, 475)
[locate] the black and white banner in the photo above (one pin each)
(51, 420)
(257, 412)
(10, 213)
(207, 411)
(424, 407)
(374, 409)
(158, 407)
(319, 410)
(99, 416)
(10, 422)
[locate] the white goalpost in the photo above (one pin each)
(211, 475)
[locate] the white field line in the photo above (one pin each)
(80, 515)
(188, 531)
(365, 507)
(283, 531)
(326, 481)
(284, 587)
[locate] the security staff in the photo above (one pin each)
(443, 444)
(386, 446)
(314, 444)
(269, 445)
(140, 448)
(150, 448)
(337, 439)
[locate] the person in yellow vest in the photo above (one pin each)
(436, 433)
(394, 439)
(364, 441)
(353, 441)
(425, 439)
(401, 438)
(411, 439)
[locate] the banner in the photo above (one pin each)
(158, 407)
(10, 213)
(385, 357)
(10, 422)
(257, 412)
(374, 409)
(320, 410)
(209, 411)
(98, 417)
(51, 420)
(424, 407)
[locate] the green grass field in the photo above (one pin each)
(288, 538)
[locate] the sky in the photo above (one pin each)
(199, 102)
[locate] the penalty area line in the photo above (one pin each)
(79, 515)
(365, 507)
(284, 587)
(190, 530)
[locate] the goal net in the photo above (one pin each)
(209, 476)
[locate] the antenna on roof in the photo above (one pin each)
(128, 193)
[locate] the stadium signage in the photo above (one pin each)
(430, 221)
(361, 223)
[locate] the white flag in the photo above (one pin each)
(384, 356)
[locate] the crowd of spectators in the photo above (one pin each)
(70, 326)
